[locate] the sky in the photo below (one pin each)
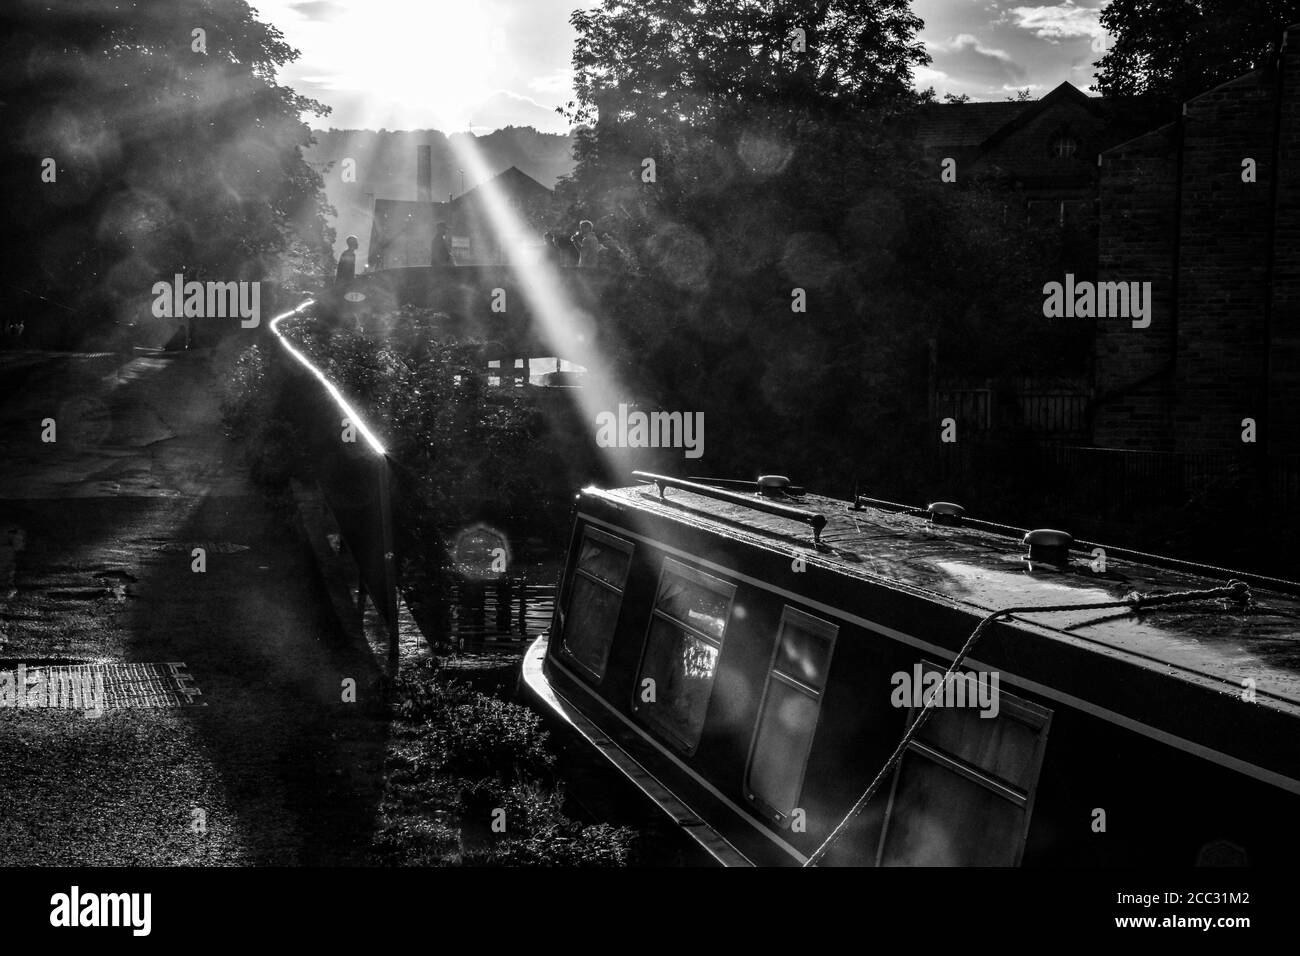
(991, 49)
(480, 65)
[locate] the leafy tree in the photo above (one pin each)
(1175, 49)
(707, 88)
(170, 158)
(668, 62)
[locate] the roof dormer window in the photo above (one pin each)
(1064, 146)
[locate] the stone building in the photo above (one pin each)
(1040, 157)
(1043, 151)
(401, 231)
(1207, 209)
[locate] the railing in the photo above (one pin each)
(353, 470)
(1054, 412)
(1036, 406)
(970, 408)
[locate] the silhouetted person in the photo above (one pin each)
(585, 241)
(347, 270)
(442, 247)
(566, 250)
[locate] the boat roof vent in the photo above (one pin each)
(945, 512)
(1049, 546)
(773, 486)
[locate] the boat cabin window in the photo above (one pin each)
(964, 789)
(595, 598)
(687, 626)
(788, 713)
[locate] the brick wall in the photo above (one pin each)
(1283, 422)
(1223, 293)
(1137, 225)
(1232, 344)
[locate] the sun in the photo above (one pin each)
(431, 59)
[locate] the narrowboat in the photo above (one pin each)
(798, 680)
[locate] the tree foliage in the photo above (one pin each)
(169, 159)
(669, 62)
(1175, 49)
(773, 175)
(464, 451)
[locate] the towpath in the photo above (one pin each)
(267, 764)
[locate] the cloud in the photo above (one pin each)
(504, 108)
(923, 75)
(965, 56)
(317, 9)
(966, 41)
(561, 81)
(1062, 21)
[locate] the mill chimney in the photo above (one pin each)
(424, 174)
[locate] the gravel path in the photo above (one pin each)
(96, 534)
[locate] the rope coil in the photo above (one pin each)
(1237, 591)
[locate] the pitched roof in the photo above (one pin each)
(964, 124)
(511, 181)
(973, 124)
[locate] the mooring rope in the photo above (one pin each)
(1236, 590)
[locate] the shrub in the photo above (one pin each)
(462, 451)
(599, 845)
(419, 696)
(467, 732)
(488, 737)
(409, 840)
(530, 808)
(256, 406)
(537, 831)
(245, 389)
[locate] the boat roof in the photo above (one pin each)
(982, 567)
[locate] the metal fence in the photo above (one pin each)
(970, 408)
(1040, 407)
(1054, 412)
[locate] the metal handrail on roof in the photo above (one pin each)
(816, 521)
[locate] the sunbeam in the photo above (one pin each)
(567, 329)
